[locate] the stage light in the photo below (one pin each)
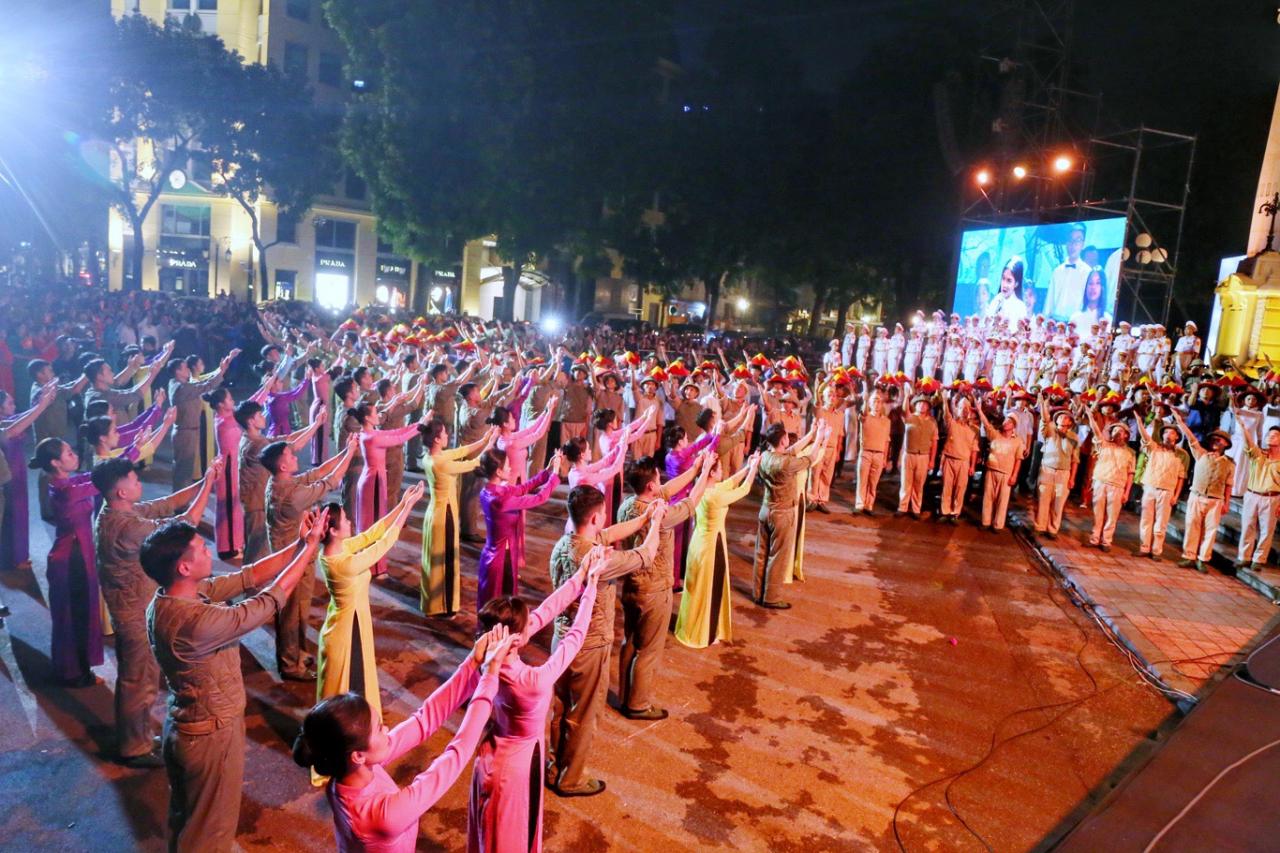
(1159, 255)
(742, 304)
(551, 324)
(1142, 241)
(1062, 163)
(1019, 172)
(1124, 253)
(1144, 257)
(982, 178)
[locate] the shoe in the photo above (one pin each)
(651, 713)
(810, 506)
(868, 512)
(1239, 564)
(414, 469)
(898, 513)
(1201, 567)
(474, 540)
(1184, 563)
(146, 761)
(298, 675)
(1093, 544)
(1153, 555)
(1106, 549)
(775, 605)
(1257, 567)
(309, 662)
(1049, 534)
(918, 516)
(590, 789)
(953, 520)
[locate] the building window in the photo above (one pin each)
(299, 10)
(285, 282)
(335, 234)
(193, 5)
(354, 187)
(208, 5)
(295, 59)
(286, 229)
(330, 69)
(181, 220)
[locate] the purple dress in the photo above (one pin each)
(503, 555)
(17, 547)
(129, 432)
(278, 407)
(73, 579)
(678, 461)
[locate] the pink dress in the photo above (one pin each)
(371, 487)
(320, 385)
(516, 445)
(505, 813)
(228, 512)
(383, 818)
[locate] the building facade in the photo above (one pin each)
(200, 243)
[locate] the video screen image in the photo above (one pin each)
(1066, 271)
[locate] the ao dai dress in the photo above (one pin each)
(371, 486)
(345, 660)
(705, 612)
(502, 559)
(677, 462)
(505, 813)
(441, 589)
(74, 606)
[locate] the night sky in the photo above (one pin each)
(1205, 68)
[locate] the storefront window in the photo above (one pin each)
(285, 282)
(184, 220)
(333, 290)
(335, 234)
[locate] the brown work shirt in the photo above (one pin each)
(566, 557)
(575, 405)
(253, 476)
(778, 473)
(185, 397)
(197, 644)
(117, 545)
(659, 574)
(288, 498)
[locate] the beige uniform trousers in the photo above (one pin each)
(955, 478)
(915, 467)
(775, 551)
(1052, 498)
(1157, 506)
(646, 616)
(1257, 527)
(870, 467)
(206, 773)
(995, 498)
(580, 693)
(1202, 527)
(1107, 500)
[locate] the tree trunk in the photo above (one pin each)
(133, 263)
(510, 280)
(262, 264)
(819, 305)
(842, 317)
(713, 285)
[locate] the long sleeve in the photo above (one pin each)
(434, 711)
(527, 436)
(455, 466)
(220, 624)
(369, 555)
(406, 806)
(728, 495)
(144, 421)
(364, 539)
(169, 505)
(390, 437)
(553, 605)
(292, 394)
(544, 676)
(528, 500)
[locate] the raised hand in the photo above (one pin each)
(557, 459)
(415, 493)
(215, 468)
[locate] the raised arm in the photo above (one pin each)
(677, 484)
(624, 530)
(298, 438)
(1197, 450)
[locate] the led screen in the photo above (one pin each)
(1066, 271)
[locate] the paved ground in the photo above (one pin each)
(917, 653)
(1185, 625)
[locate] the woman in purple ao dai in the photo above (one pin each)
(503, 504)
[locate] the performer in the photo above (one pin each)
(775, 539)
(575, 404)
(343, 739)
(680, 457)
(505, 812)
(646, 594)
(612, 442)
(289, 496)
(831, 412)
(1059, 457)
(1258, 510)
(124, 521)
(185, 394)
(280, 403)
(106, 441)
(228, 512)
(253, 476)
(371, 487)
(473, 425)
(16, 553)
(504, 503)
(873, 451)
(1210, 495)
(1005, 451)
(440, 584)
(195, 636)
(1246, 416)
(74, 609)
(1112, 475)
(539, 400)
(54, 421)
(582, 690)
(919, 452)
(1162, 479)
(515, 442)
(959, 456)
(395, 409)
(706, 614)
(321, 380)
(345, 660)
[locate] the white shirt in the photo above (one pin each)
(1066, 289)
(1008, 308)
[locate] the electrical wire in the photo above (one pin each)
(1232, 766)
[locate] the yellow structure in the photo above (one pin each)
(199, 243)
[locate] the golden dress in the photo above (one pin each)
(441, 584)
(705, 611)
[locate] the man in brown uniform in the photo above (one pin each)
(395, 414)
(118, 531)
(289, 496)
(919, 448)
(195, 636)
(583, 688)
(442, 395)
(776, 536)
(253, 477)
(646, 594)
(575, 405)
(185, 393)
(873, 451)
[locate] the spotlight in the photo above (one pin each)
(743, 304)
(982, 178)
(551, 324)
(1062, 163)
(1019, 172)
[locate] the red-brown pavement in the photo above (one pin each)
(803, 732)
(1186, 626)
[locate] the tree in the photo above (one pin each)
(510, 118)
(276, 143)
(159, 89)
